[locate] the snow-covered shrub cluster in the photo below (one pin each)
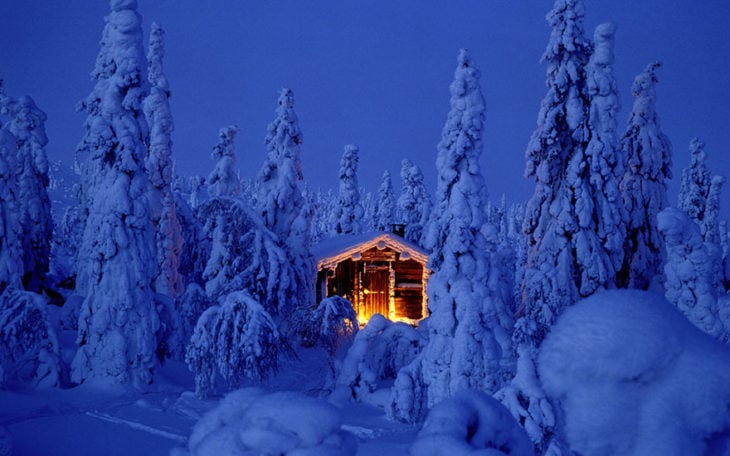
(333, 324)
(471, 422)
(236, 340)
(29, 353)
(249, 421)
(379, 351)
(632, 376)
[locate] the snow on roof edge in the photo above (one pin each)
(338, 248)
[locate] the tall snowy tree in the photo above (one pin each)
(118, 320)
(565, 256)
(11, 253)
(644, 184)
(158, 163)
(414, 203)
(34, 205)
(384, 212)
(469, 344)
(284, 209)
(694, 188)
(280, 178)
(223, 180)
(348, 212)
(603, 153)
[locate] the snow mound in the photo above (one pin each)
(248, 421)
(471, 422)
(634, 377)
(378, 352)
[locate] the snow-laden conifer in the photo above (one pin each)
(414, 203)
(690, 271)
(384, 211)
(27, 124)
(280, 178)
(565, 256)
(11, 253)
(644, 184)
(603, 152)
(223, 180)
(469, 344)
(159, 166)
(237, 340)
(348, 212)
(118, 320)
(284, 209)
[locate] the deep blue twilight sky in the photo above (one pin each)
(375, 73)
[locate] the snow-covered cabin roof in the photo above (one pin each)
(331, 251)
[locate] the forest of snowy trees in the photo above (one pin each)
(217, 272)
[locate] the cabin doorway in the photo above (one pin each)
(375, 291)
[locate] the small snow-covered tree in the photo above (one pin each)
(223, 180)
(380, 350)
(384, 211)
(331, 325)
(237, 340)
(348, 212)
(694, 187)
(414, 203)
(242, 254)
(644, 184)
(469, 344)
(118, 320)
(28, 345)
(34, 205)
(690, 275)
(158, 163)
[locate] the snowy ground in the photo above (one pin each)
(87, 420)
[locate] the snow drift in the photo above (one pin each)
(633, 376)
(248, 421)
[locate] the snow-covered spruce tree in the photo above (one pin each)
(283, 207)
(384, 211)
(690, 272)
(644, 185)
(469, 344)
(118, 321)
(280, 178)
(237, 340)
(603, 152)
(28, 346)
(348, 212)
(223, 180)
(414, 203)
(242, 254)
(158, 163)
(11, 253)
(565, 255)
(34, 205)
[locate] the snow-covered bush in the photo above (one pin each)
(331, 325)
(249, 422)
(633, 377)
(28, 345)
(237, 340)
(471, 422)
(378, 352)
(690, 271)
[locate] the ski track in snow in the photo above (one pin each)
(138, 426)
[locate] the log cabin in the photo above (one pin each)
(377, 272)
